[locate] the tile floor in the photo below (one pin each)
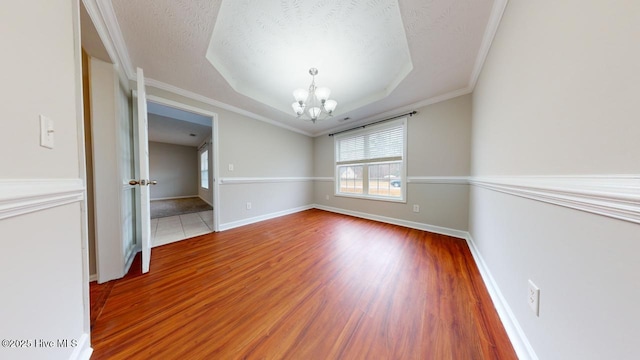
(175, 228)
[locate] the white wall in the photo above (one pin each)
(558, 95)
(42, 249)
(438, 146)
(175, 167)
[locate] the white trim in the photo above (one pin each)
(215, 149)
(83, 350)
(115, 39)
(102, 28)
(203, 99)
(512, 327)
(456, 180)
(616, 196)
(82, 168)
(176, 197)
(243, 222)
(417, 105)
(323, 178)
(106, 23)
(261, 180)
(400, 222)
(489, 34)
(519, 340)
(22, 196)
(93, 277)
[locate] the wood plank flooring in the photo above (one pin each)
(312, 285)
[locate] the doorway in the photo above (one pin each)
(182, 161)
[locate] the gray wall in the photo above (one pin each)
(175, 167)
(265, 158)
(438, 140)
(558, 95)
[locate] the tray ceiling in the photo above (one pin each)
(380, 57)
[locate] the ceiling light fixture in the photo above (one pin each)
(314, 103)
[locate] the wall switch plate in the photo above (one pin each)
(230, 167)
(248, 206)
(533, 298)
(46, 132)
(416, 208)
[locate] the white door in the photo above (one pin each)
(143, 170)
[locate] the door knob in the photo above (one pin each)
(143, 182)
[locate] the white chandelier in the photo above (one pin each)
(315, 103)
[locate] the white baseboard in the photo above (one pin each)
(83, 350)
(93, 277)
(176, 197)
(410, 224)
(243, 222)
(519, 340)
(516, 335)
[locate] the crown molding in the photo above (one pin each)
(489, 34)
(206, 100)
(399, 110)
(105, 21)
(115, 38)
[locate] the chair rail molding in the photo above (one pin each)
(257, 180)
(22, 196)
(616, 196)
(459, 180)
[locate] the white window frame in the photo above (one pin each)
(365, 178)
(206, 165)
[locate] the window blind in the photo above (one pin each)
(376, 145)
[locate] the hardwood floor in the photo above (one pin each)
(312, 285)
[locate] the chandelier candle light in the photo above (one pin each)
(314, 103)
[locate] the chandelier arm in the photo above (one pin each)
(313, 104)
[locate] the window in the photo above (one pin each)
(204, 169)
(370, 163)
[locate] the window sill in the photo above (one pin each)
(371, 197)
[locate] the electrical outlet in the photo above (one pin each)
(230, 167)
(533, 298)
(416, 208)
(248, 206)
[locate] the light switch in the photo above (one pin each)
(46, 132)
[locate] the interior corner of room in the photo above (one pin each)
(526, 156)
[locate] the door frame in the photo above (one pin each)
(214, 139)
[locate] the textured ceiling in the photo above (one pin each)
(265, 49)
(169, 40)
(174, 126)
(173, 131)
